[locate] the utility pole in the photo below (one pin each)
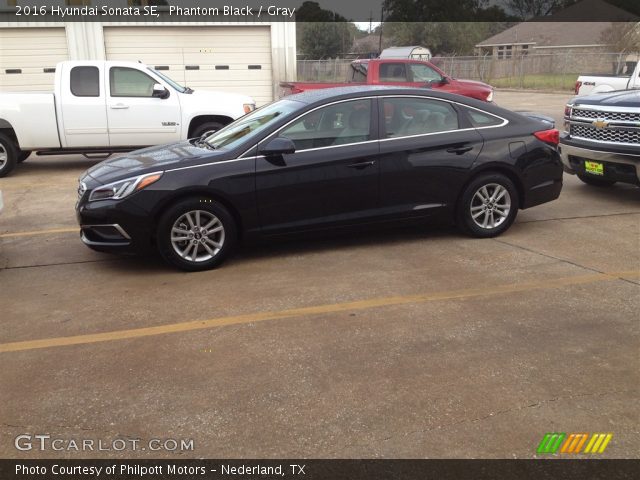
(381, 24)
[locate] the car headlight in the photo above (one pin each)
(124, 188)
(490, 96)
(248, 107)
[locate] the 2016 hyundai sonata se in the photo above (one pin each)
(323, 159)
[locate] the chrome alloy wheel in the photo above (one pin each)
(3, 155)
(490, 205)
(197, 236)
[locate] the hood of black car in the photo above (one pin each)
(148, 160)
(618, 98)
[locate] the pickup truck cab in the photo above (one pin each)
(627, 78)
(102, 107)
(399, 72)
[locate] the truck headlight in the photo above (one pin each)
(124, 188)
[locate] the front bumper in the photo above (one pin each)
(114, 226)
(620, 167)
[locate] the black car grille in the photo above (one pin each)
(611, 135)
(610, 116)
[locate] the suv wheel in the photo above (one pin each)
(196, 234)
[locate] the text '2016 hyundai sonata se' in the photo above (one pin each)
(323, 159)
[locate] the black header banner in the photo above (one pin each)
(319, 11)
(299, 469)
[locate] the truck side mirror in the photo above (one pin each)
(159, 91)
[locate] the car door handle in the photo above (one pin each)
(459, 150)
(361, 165)
(119, 106)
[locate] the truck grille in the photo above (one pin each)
(610, 116)
(587, 132)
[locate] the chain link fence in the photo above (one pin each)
(546, 71)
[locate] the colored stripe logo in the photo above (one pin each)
(573, 443)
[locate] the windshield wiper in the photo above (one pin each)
(202, 142)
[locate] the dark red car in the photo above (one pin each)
(400, 72)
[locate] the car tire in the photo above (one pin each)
(595, 181)
(196, 234)
(488, 206)
(208, 127)
(23, 155)
(8, 155)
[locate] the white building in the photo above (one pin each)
(244, 57)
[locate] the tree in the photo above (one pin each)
(624, 37)
(439, 11)
(322, 33)
(526, 9)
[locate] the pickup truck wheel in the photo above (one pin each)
(196, 234)
(488, 206)
(595, 181)
(8, 155)
(208, 128)
(23, 155)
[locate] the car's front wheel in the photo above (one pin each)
(196, 234)
(488, 206)
(595, 181)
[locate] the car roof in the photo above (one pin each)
(324, 95)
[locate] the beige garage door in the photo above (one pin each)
(234, 59)
(28, 57)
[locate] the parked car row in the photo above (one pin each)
(383, 149)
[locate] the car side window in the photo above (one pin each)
(417, 116)
(129, 82)
(393, 72)
(339, 124)
(423, 73)
(483, 119)
(85, 81)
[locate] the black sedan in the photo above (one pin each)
(318, 160)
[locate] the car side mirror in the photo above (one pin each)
(159, 91)
(278, 146)
(444, 80)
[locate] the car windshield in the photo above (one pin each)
(251, 124)
(174, 85)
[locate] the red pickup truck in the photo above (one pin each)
(402, 72)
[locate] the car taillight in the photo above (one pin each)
(578, 85)
(552, 136)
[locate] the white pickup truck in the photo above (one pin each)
(103, 107)
(628, 77)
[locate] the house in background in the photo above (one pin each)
(558, 33)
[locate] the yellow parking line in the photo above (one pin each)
(40, 232)
(305, 311)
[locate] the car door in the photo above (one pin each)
(82, 101)
(426, 152)
(331, 179)
(135, 116)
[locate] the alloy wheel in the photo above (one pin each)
(197, 236)
(490, 206)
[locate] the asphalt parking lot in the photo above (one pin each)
(402, 343)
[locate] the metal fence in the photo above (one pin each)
(548, 71)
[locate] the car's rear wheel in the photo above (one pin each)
(595, 181)
(8, 155)
(488, 206)
(196, 234)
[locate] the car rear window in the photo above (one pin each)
(483, 119)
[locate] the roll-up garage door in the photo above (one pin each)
(228, 58)
(28, 57)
